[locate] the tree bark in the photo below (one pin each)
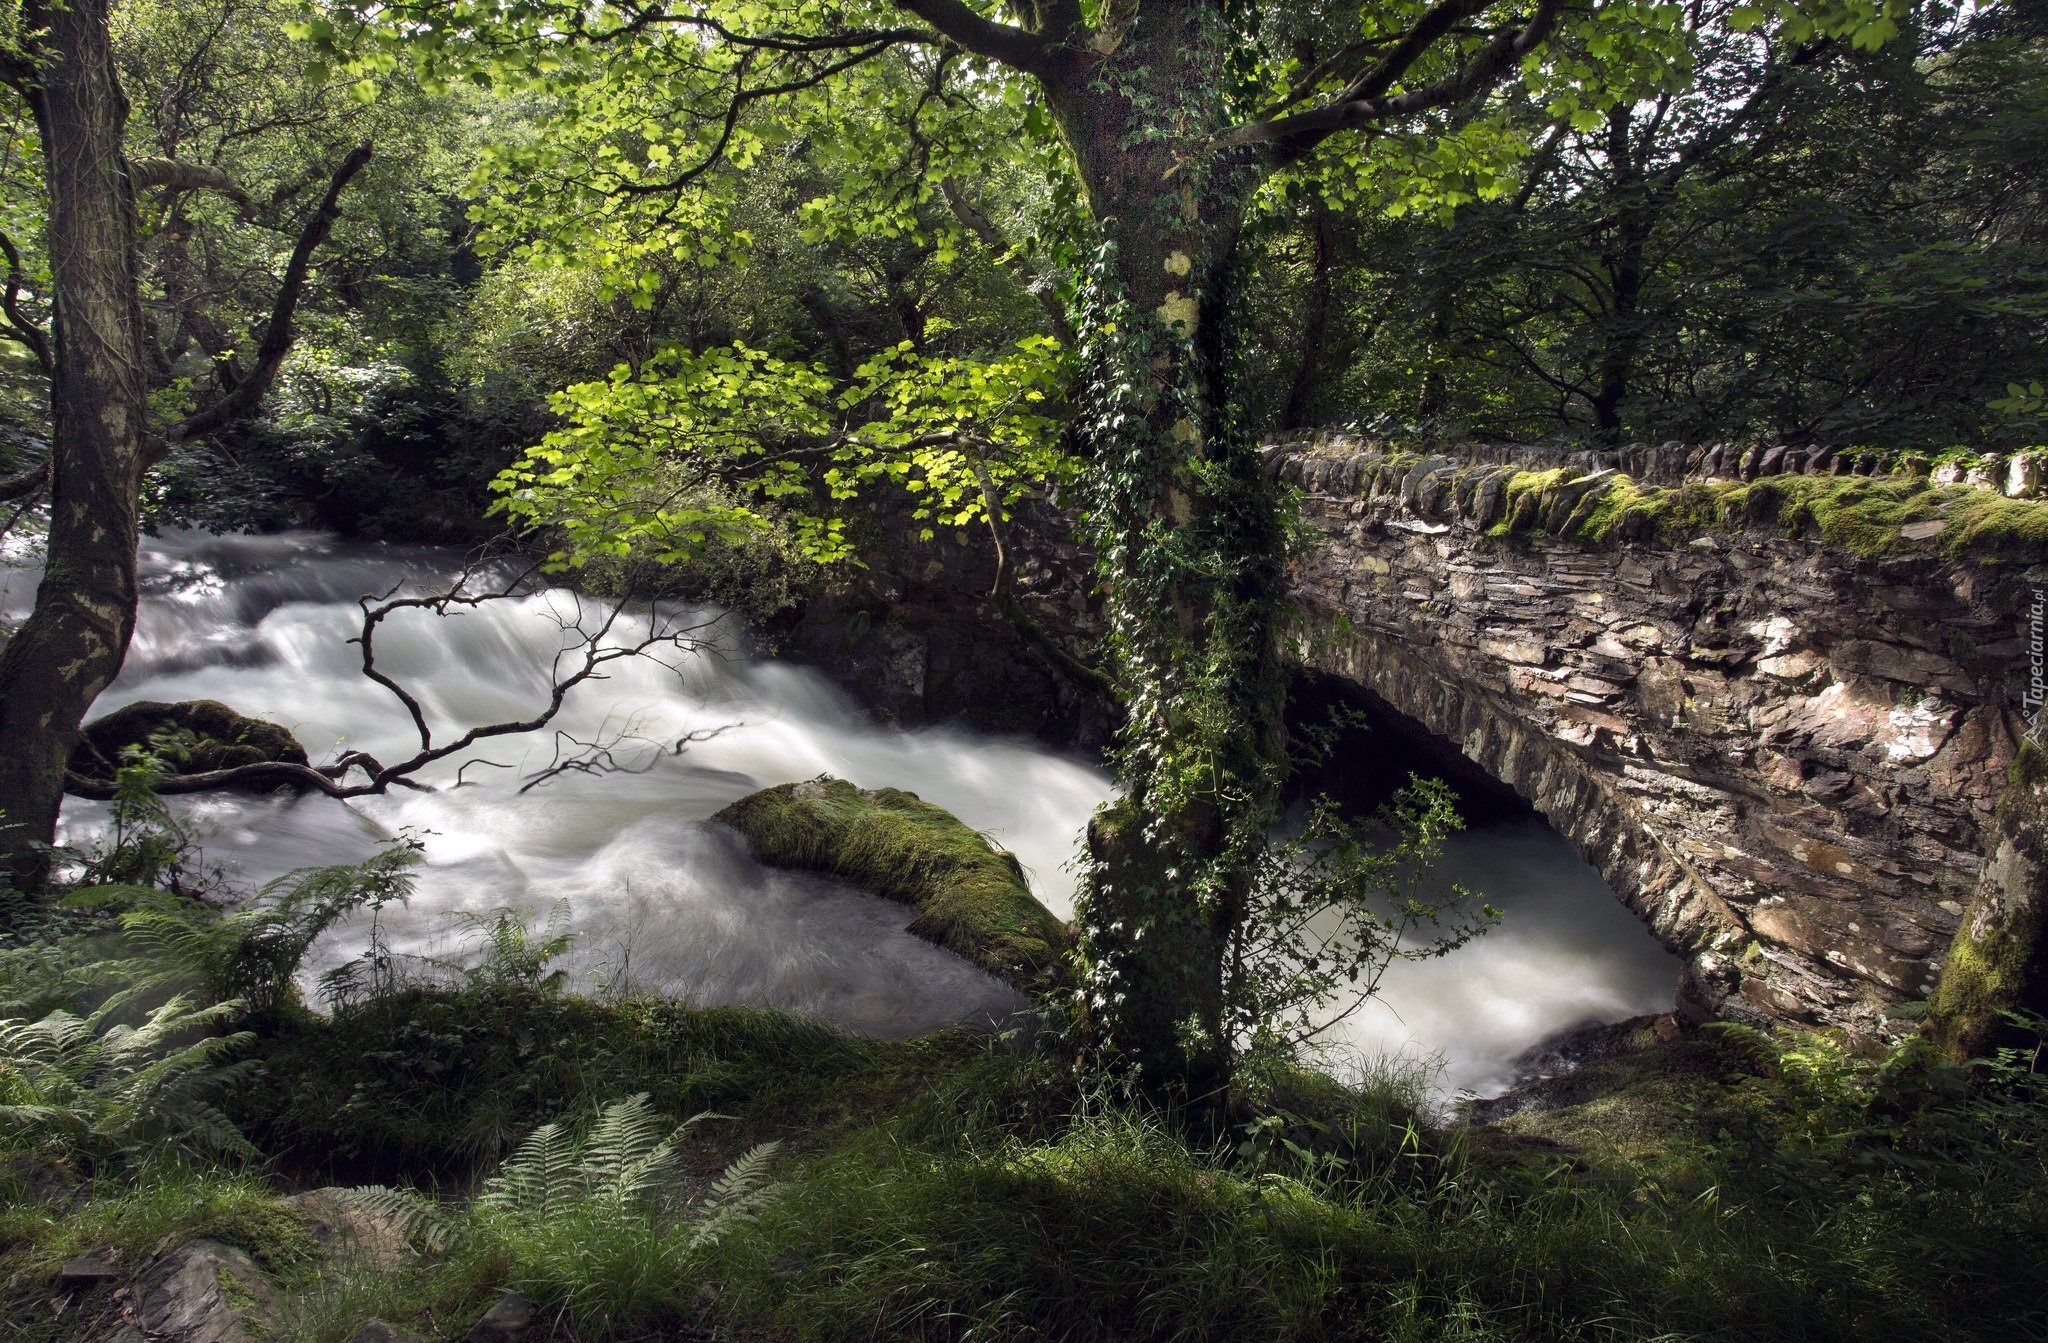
(1315, 320)
(72, 645)
(1192, 555)
(1623, 263)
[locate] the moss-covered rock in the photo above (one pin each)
(220, 738)
(971, 897)
(1998, 963)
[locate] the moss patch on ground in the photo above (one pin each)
(971, 896)
(1626, 1105)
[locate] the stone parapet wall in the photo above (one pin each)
(1782, 754)
(2021, 475)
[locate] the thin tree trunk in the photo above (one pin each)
(72, 645)
(1624, 266)
(1435, 393)
(1315, 321)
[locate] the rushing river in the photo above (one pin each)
(661, 902)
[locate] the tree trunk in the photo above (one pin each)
(1624, 265)
(71, 647)
(1998, 963)
(1315, 319)
(1434, 397)
(1192, 558)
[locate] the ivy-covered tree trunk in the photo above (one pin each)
(71, 647)
(1192, 555)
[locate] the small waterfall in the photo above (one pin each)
(662, 902)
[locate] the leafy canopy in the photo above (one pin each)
(692, 446)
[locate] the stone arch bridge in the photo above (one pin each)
(1781, 751)
(1783, 754)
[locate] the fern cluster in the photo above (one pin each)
(249, 954)
(600, 1225)
(96, 1088)
(117, 1052)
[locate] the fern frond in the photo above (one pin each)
(647, 1177)
(36, 1116)
(413, 1216)
(541, 1174)
(627, 1134)
(123, 1084)
(743, 1176)
(736, 1197)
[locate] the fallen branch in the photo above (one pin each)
(599, 755)
(583, 660)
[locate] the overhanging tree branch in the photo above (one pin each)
(19, 326)
(1434, 24)
(277, 335)
(1365, 103)
(985, 231)
(594, 649)
(25, 484)
(1012, 46)
(177, 176)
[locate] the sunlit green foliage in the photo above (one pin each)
(1794, 246)
(652, 460)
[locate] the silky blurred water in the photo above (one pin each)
(662, 902)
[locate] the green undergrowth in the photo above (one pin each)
(135, 1215)
(1756, 1192)
(1723, 1185)
(971, 897)
(441, 1083)
(1862, 514)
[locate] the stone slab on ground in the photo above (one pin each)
(204, 1291)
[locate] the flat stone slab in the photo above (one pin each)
(510, 1321)
(202, 1292)
(377, 1331)
(89, 1270)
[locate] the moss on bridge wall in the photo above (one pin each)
(1866, 515)
(1998, 963)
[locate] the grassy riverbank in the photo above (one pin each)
(1720, 1185)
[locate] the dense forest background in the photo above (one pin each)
(1848, 248)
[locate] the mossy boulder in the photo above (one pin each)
(220, 738)
(971, 896)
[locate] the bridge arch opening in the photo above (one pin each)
(1567, 956)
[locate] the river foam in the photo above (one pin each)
(662, 902)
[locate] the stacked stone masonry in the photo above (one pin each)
(1784, 757)
(2019, 475)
